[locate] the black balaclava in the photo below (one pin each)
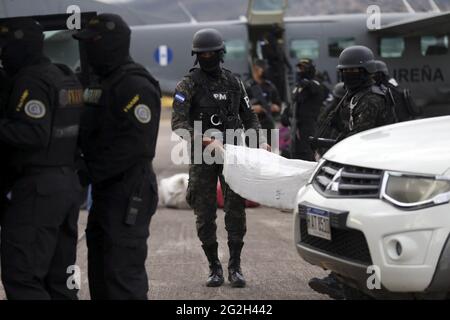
(309, 71)
(211, 65)
(356, 80)
(107, 41)
(108, 51)
(379, 78)
(23, 48)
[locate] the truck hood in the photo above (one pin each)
(420, 146)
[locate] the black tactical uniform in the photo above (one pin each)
(217, 99)
(264, 94)
(274, 53)
(399, 100)
(118, 139)
(308, 97)
(39, 229)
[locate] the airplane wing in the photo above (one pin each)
(434, 24)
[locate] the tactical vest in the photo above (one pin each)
(99, 125)
(216, 109)
(354, 103)
(66, 101)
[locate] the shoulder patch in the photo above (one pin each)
(142, 113)
(180, 97)
(22, 100)
(35, 109)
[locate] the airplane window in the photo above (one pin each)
(305, 48)
(392, 47)
(337, 45)
(267, 5)
(236, 49)
(432, 45)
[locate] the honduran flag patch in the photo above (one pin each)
(179, 97)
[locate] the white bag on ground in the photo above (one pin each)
(172, 191)
(265, 177)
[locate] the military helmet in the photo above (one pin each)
(357, 57)
(339, 90)
(382, 67)
(207, 40)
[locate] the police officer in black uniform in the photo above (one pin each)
(39, 229)
(213, 97)
(264, 97)
(118, 140)
(308, 96)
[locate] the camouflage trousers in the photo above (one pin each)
(202, 197)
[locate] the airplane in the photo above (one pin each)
(415, 47)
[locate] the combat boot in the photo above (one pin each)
(215, 278)
(235, 275)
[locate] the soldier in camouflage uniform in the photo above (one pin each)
(217, 99)
(363, 107)
(365, 104)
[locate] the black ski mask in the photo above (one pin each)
(107, 42)
(211, 64)
(23, 46)
(355, 80)
(107, 52)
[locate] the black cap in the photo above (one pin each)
(20, 29)
(306, 62)
(105, 23)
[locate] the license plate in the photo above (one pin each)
(318, 223)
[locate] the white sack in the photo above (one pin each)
(172, 191)
(265, 177)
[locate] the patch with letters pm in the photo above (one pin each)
(179, 97)
(143, 113)
(35, 109)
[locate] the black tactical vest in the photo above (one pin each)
(66, 101)
(216, 107)
(99, 124)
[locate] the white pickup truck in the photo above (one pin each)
(378, 204)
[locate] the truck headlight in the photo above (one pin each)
(415, 192)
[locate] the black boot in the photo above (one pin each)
(215, 278)
(235, 275)
(329, 286)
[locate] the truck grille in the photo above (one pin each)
(338, 180)
(349, 244)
